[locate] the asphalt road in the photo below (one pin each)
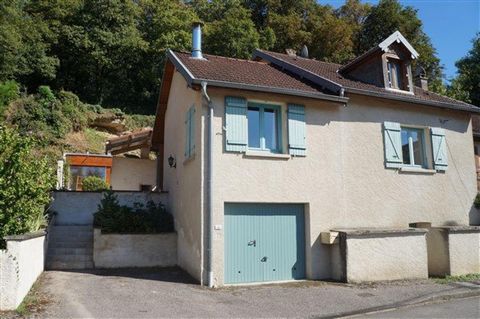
(458, 308)
(155, 293)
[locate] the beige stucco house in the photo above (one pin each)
(284, 167)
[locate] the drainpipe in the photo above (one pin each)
(209, 188)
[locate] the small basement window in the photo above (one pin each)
(395, 74)
(413, 147)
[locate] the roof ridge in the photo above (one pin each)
(300, 57)
(224, 57)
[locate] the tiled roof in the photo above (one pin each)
(329, 72)
(239, 71)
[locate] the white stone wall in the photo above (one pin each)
(20, 265)
(77, 208)
(386, 257)
(464, 249)
(134, 250)
(129, 173)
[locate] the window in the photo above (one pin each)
(395, 76)
(78, 173)
(190, 132)
(263, 127)
(413, 146)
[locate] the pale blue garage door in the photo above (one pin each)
(264, 242)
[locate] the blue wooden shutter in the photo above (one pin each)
(190, 132)
(236, 124)
(439, 149)
(296, 130)
(392, 138)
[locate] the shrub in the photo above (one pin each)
(8, 92)
(94, 184)
(25, 184)
(112, 217)
(477, 201)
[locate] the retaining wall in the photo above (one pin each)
(134, 250)
(77, 208)
(379, 254)
(20, 265)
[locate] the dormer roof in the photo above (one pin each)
(383, 46)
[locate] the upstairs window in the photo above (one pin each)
(263, 127)
(413, 147)
(395, 74)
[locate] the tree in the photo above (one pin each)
(354, 13)
(466, 86)
(25, 183)
(389, 16)
(24, 46)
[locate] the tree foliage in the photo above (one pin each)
(112, 52)
(466, 86)
(25, 182)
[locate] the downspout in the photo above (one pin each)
(209, 188)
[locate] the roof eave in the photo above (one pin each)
(268, 89)
(410, 99)
(180, 67)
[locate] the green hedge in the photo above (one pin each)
(112, 217)
(94, 184)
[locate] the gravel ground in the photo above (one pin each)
(153, 293)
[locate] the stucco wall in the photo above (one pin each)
(183, 183)
(77, 208)
(134, 250)
(343, 179)
(383, 256)
(129, 173)
(20, 265)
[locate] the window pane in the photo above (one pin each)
(405, 147)
(78, 173)
(398, 76)
(270, 129)
(253, 127)
(417, 138)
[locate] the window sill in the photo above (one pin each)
(267, 155)
(418, 170)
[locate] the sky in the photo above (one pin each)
(450, 24)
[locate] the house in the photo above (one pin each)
(121, 173)
(270, 162)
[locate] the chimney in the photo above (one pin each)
(421, 79)
(197, 40)
(304, 52)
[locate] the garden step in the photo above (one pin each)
(60, 265)
(70, 251)
(69, 258)
(70, 244)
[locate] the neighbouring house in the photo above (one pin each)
(284, 167)
(122, 173)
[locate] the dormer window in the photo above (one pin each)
(395, 74)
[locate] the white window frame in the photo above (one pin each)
(410, 147)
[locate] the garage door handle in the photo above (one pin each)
(252, 243)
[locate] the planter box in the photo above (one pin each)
(134, 250)
(374, 254)
(20, 265)
(453, 250)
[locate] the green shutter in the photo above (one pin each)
(236, 124)
(392, 138)
(190, 132)
(296, 130)
(439, 149)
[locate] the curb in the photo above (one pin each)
(404, 304)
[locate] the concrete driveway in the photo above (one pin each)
(153, 293)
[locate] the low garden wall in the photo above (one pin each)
(361, 255)
(77, 208)
(20, 265)
(453, 250)
(134, 250)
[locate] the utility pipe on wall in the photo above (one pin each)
(209, 188)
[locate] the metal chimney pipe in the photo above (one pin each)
(197, 40)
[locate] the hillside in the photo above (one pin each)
(61, 122)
